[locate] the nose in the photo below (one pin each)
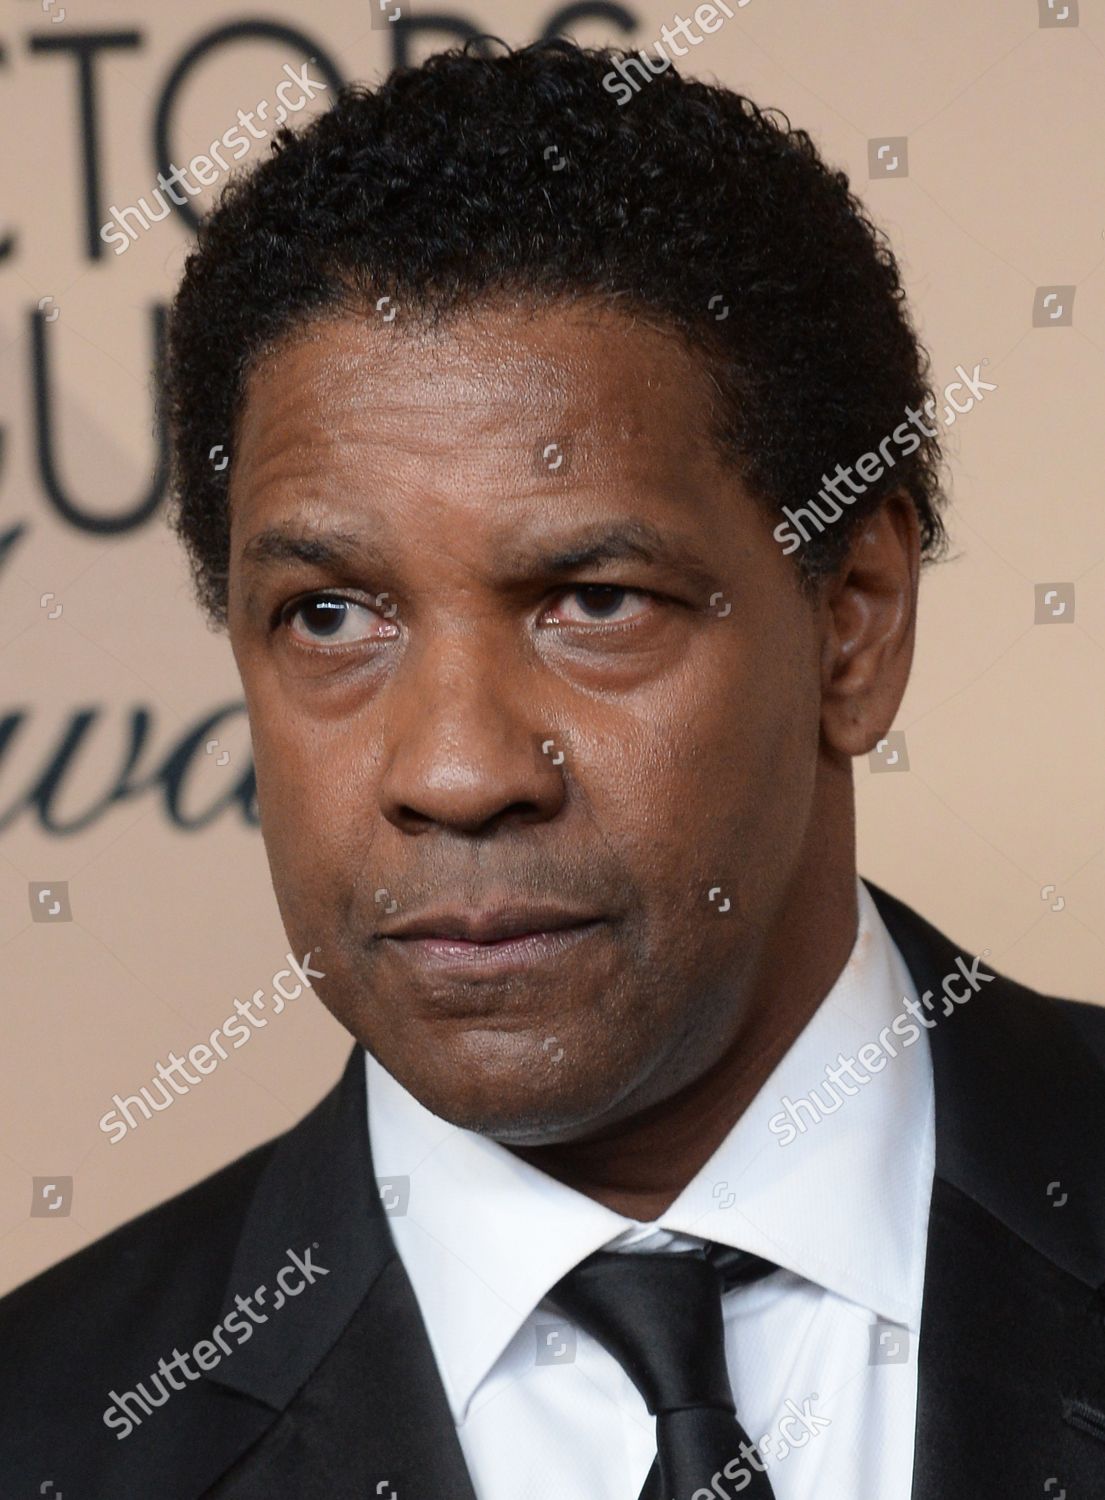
(463, 748)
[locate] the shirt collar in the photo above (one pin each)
(484, 1235)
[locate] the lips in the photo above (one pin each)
(491, 925)
(457, 967)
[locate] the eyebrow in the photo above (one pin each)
(617, 542)
(276, 544)
(603, 542)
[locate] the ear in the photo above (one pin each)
(869, 611)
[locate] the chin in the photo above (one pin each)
(516, 1095)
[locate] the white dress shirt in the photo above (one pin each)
(543, 1412)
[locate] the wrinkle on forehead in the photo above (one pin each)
(487, 389)
(534, 358)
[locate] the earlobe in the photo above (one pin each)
(870, 608)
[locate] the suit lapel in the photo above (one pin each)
(1011, 1376)
(348, 1377)
(371, 1420)
(1009, 1344)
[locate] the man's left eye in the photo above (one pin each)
(602, 601)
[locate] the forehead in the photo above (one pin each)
(484, 421)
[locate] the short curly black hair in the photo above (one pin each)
(481, 172)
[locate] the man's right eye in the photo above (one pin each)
(329, 619)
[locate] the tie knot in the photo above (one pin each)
(737, 1267)
(659, 1314)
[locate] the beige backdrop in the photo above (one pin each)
(132, 936)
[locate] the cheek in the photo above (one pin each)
(715, 788)
(316, 807)
(768, 784)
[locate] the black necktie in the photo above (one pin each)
(659, 1314)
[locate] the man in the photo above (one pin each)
(672, 1159)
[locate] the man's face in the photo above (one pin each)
(444, 720)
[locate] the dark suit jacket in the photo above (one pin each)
(337, 1396)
